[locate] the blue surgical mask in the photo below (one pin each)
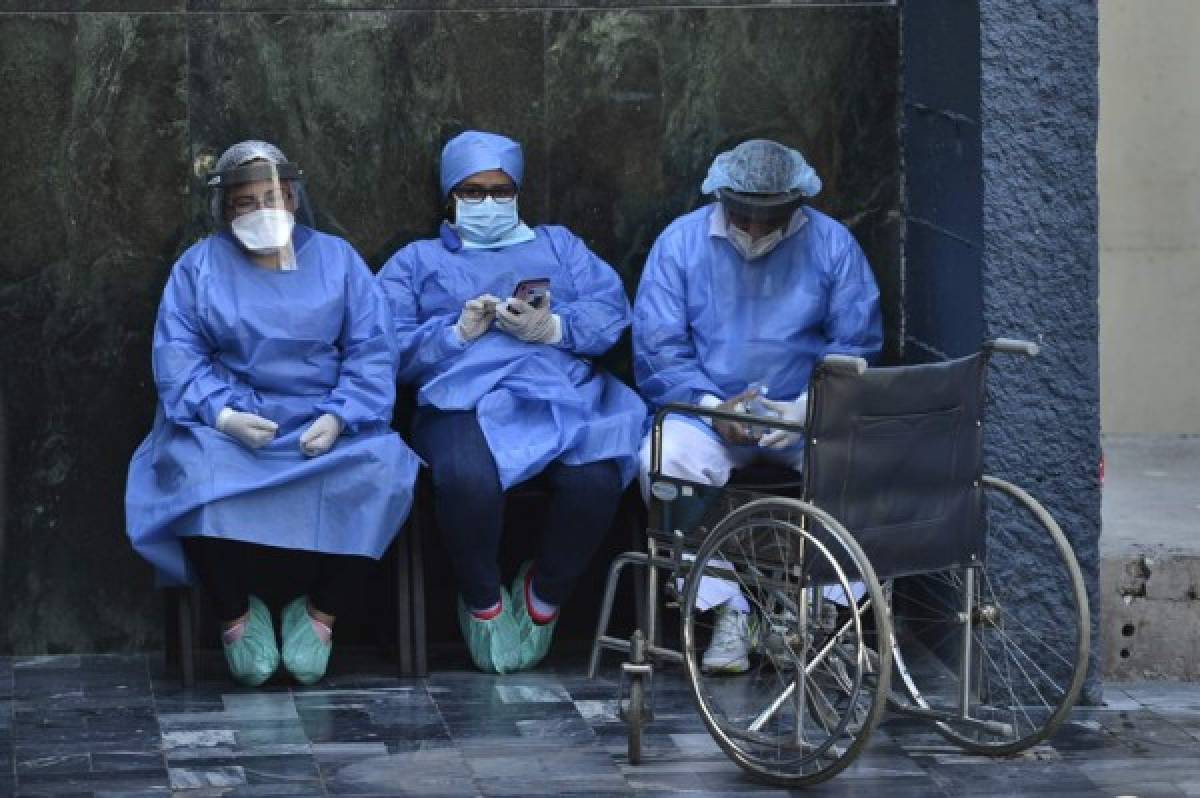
(485, 223)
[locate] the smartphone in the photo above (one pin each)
(532, 291)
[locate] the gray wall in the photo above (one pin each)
(1149, 174)
(109, 112)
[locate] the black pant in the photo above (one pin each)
(230, 570)
(469, 506)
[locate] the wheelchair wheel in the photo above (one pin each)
(818, 676)
(1021, 665)
(635, 719)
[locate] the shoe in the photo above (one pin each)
(535, 637)
(732, 639)
(254, 656)
(305, 654)
(494, 643)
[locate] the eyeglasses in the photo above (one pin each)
(472, 194)
(247, 204)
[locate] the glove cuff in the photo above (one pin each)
(556, 329)
(224, 416)
(708, 401)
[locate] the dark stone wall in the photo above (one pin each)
(111, 112)
(1000, 110)
(1039, 115)
(943, 246)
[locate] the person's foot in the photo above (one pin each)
(492, 640)
(732, 640)
(536, 629)
(250, 648)
(307, 642)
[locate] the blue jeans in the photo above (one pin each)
(469, 506)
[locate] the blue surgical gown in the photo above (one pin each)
(288, 346)
(706, 321)
(536, 403)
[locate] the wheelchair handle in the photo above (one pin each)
(846, 364)
(1012, 346)
(678, 408)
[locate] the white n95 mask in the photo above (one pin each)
(751, 248)
(265, 231)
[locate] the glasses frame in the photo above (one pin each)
(487, 191)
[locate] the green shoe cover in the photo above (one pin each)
(493, 644)
(254, 656)
(535, 637)
(305, 654)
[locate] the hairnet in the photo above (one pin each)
(476, 151)
(242, 153)
(760, 166)
(246, 151)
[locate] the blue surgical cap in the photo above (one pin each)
(761, 166)
(476, 151)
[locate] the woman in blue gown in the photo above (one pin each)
(271, 452)
(507, 391)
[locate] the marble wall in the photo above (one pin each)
(113, 107)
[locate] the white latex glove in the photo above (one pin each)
(796, 411)
(321, 435)
(536, 325)
(251, 430)
(476, 317)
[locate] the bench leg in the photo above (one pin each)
(416, 576)
(404, 650)
(187, 662)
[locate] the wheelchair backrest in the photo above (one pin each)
(895, 454)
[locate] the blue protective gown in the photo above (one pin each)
(536, 403)
(706, 321)
(288, 346)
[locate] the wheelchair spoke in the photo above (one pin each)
(803, 708)
(1028, 651)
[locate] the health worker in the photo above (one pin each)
(497, 325)
(271, 459)
(738, 301)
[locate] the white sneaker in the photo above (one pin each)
(732, 639)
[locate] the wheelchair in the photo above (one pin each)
(884, 583)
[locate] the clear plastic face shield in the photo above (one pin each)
(756, 222)
(258, 202)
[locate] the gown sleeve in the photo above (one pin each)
(665, 363)
(854, 324)
(366, 389)
(422, 347)
(593, 321)
(192, 387)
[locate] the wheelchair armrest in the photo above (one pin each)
(845, 363)
(698, 411)
(1012, 346)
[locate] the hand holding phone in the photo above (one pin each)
(532, 291)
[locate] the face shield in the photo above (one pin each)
(755, 223)
(259, 203)
(764, 211)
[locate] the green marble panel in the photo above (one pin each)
(364, 103)
(94, 173)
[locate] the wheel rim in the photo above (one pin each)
(1029, 632)
(780, 727)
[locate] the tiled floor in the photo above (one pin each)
(117, 725)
